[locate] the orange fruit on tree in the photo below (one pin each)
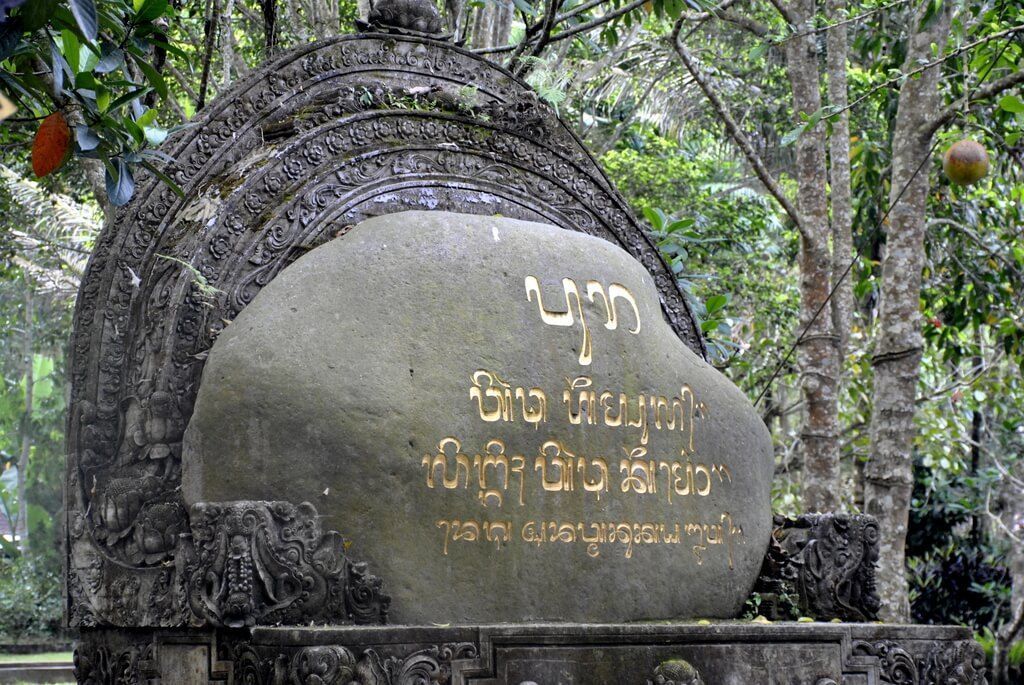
(965, 162)
(52, 145)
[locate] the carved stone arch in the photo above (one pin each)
(316, 141)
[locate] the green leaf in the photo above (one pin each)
(38, 518)
(35, 14)
(152, 75)
(679, 225)
(9, 548)
(70, 48)
(148, 10)
(759, 50)
(87, 140)
(111, 60)
(128, 97)
(165, 178)
(524, 7)
(120, 187)
(1011, 103)
(791, 136)
(716, 302)
(102, 98)
(85, 80)
(155, 135)
(148, 118)
(655, 217)
(134, 130)
(84, 12)
(87, 58)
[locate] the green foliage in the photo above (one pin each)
(1015, 655)
(709, 225)
(50, 235)
(549, 78)
(775, 607)
(99, 65)
(30, 598)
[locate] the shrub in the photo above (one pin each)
(30, 599)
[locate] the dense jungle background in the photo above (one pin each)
(789, 158)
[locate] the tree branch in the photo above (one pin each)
(735, 132)
(784, 11)
(993, 88)
(751, 25)
(579, 9)
(210, 30)
(543, 39)
(702, 17)
(928, 65)
(569, 33)
(976, 239)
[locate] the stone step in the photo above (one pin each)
(37, 672)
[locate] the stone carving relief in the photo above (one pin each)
(339, 665)
(917, 657)
(822, 566)
(676, 672)
(404, 16)
(270, 563)
(103, 665)
(318, 140)
(960, 662)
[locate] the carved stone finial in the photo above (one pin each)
(416, 17)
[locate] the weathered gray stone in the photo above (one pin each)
(310, 144)
(378, 358)
(722, 653)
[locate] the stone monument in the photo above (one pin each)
(403, 393)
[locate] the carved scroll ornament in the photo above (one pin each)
(960, 662)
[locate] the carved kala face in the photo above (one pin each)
(238, 546)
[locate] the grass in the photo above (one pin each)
(35, 658)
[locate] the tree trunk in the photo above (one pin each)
(323, 17)
(363, 8)
(839, 179)
(227, 46)
(28, 350)
(492, 24)
(453, 11)
(889, 473)
(817, 354)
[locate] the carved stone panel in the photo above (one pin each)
(316, 141)
(727, 653)
(822, 566)
(269, 562)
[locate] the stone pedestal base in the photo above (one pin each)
(720, 653)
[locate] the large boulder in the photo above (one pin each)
(497, 416)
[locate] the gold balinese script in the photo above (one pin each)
(624, 535)
(492, 472)
(573, 301)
